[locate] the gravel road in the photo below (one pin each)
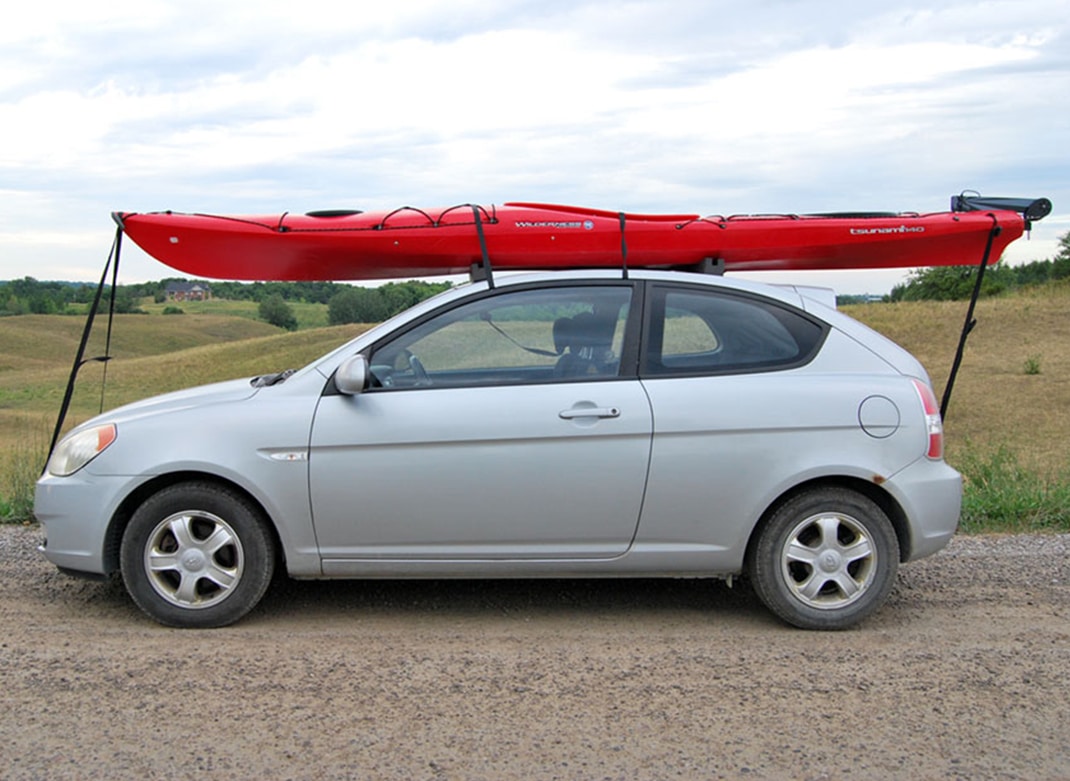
(965, 673)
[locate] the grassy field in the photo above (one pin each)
(1013, 389)
(1007, 426)
(308, 315)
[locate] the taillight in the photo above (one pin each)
(933, 424)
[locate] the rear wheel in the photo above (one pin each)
(826, 559)
(197, 555)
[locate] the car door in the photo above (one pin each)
(499, 428)
(737, 412)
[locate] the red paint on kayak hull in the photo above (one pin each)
(411, 242)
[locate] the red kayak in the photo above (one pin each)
(341, 245)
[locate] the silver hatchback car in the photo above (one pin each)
(566, 424)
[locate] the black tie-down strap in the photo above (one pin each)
(485, 271)
(970, 322)
(79, 359)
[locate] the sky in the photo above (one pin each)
(693, 106)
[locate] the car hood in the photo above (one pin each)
(216, 393)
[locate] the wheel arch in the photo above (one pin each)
(871, 490)
(119, 520)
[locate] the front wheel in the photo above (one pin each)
(196, 555)
(826, 559)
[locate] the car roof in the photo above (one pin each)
(788, 294)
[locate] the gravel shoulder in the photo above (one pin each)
(965, 673)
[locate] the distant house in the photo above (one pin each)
(188, 291)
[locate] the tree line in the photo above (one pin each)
(28, 296)
(956, 283)
(346, 303)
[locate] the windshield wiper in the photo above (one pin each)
(265, 380)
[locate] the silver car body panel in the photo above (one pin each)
(667, 476)
(481, 473)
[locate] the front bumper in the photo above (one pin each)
(75, 513)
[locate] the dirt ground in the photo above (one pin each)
(965, 673)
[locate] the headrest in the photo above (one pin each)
(584, 330)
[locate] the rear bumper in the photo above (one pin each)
(930, 493)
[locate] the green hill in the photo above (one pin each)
(1013, 389)
(30, 341)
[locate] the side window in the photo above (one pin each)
(517, 337)
(687, 334)
(703, 332)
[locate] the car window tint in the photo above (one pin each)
(526, 336)
(702, 332)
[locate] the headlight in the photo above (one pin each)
(79, 449)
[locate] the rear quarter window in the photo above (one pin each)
(705, 332)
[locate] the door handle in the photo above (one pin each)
(589, 412)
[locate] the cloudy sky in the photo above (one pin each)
(673, 106)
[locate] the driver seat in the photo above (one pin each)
(583, 342)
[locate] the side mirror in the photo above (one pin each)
(352, 376)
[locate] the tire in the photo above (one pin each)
(197, 555)
(825, 559)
